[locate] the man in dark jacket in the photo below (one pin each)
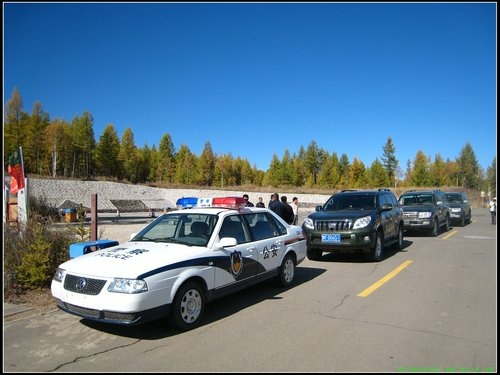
(289, 210)
(248, 203)
(278, 207)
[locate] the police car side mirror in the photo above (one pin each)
(132, 236)
(318, 208)
(228, 242)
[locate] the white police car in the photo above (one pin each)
(178, 263)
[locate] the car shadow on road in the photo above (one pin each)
(424, 234)
(214, 311)
(362, 258)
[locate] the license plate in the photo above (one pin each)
(330, 237)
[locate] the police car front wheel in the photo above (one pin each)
(188, 306)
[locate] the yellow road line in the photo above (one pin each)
(384, 279)
(450, 234)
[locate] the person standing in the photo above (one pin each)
(289, 210)
(493, 210)
(278, 207)
(295, 207)
(248, 203)
(260, 203)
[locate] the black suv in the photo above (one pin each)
(355, 221)
(425, 210)
(460, 211)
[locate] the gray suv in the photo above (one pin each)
(460, 211)
(426, 210)
(355, 221)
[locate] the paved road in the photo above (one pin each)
(438, 313)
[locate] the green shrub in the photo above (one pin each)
(33, 271)
(32, 256)
(80, 231)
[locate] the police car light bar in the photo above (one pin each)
(229, 202)
(187, 202)
(222, 202)
(204, 202)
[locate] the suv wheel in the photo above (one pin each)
(462, 221)
(447, 224)
(469, 218)
(399, 243)
(378, 248)
(435, 228)
(314, 254)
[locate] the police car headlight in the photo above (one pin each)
(59, 275)
(362, 222)
(424, 215)
(130, 286)
(309, 223)
(457, 209)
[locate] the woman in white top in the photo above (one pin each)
(493, 210)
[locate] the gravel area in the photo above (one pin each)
(137, 198)
(113, 196)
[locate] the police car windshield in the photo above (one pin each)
(183, 227)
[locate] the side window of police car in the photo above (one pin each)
(261, 230)
(279, 229)
(232, 227)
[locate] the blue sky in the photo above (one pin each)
(256, 79)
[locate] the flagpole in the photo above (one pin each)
(22, 196)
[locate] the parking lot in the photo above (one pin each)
(344, 314)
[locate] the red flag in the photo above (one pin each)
(16, 170)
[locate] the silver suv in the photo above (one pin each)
(426, 210)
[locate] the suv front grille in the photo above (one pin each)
(410, 214)
(333, 225)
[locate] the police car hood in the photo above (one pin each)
(131, 259)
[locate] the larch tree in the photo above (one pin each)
(107, 153)
(469, 167)
(128, 156)
(389, 160)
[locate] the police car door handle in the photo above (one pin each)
(279, 243)
(251, 249)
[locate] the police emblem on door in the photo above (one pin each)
(236, 263)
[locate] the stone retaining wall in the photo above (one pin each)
(56, 192)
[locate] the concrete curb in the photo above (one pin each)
(10, 309)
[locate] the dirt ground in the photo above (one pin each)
(118, 232)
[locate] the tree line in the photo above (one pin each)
(63, 149)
